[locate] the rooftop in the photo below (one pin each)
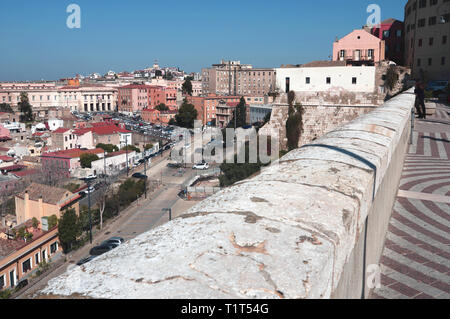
(49, 194)
(72, 153)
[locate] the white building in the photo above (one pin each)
(113, 163)
(358, 79)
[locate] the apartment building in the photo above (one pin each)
(256, 82)
(39, 200)
(18, 258)
(134, 98)
(427, 46)
(392, 31)
(206, 106)
(47, 95)
(222, 78)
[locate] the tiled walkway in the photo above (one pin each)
(416, 256)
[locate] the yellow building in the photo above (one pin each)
(44, 201)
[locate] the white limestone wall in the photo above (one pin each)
(297, 230)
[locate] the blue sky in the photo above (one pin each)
(127, 35)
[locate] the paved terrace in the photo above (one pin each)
(308, 226)
(416, 257)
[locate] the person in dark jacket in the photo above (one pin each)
(420, 100)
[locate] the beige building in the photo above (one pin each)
(44, 201)
(427, 47)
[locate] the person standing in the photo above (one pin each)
(420, 99)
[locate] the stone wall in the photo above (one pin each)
(308, 226)
(317, 120)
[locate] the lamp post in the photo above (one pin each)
(88, 182)
(170, 212)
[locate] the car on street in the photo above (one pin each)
(22, 284)
(101, 249)
(88, 190)
(201, 166)
(174, 165)
(92, 176)
(437, 87)
(114, 240)
(85, 260)
(139, 175)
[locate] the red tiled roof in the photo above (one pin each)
(27, 172)
(6, 158)
(4, 149)
(72, 153)
(61, 130)
(13, 168)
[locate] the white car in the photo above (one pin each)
(89, 190)
(201, 166)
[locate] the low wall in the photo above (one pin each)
(306, 227)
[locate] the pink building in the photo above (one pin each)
(133, 98)
(4, 134)
(359, 48)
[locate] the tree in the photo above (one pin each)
(148, 147)
(6, 108)
(162, 107)
(86, 159)
(186, 116)
(187, 86)
(52, 221)
(35, 222)
(391, 78)
(131, 148)
(109, 148)
(69, 229)
(294, 123)
(25, 108)
(172, 121)
(239, 115)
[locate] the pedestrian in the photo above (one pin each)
(420, 100)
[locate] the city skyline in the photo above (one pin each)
(123, 37)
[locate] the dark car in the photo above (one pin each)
(22, 284)
(85, 260)
(114, 240)
(101, 249)
(139, 175)
(174, 165)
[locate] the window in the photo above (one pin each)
(308, 80)
(26, 266)
(443, 60)
(421, 23)
(430, 42)
(328, 80)
(399, 33)
(371, 53)
(418, 62)
(354, 80)
(422, 3)
(420, 43)
(444, 39)
(2, 281)
(430, 61)
(386, 34)
(431, 20)
(53, 247)
(37, 258)
(433, 2)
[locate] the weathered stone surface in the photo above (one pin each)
(286, 233)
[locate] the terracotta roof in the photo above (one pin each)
(315, 64)
(72, 153)
(13, 168)
(61, 130)
(49, 194)
(6, 158)
(27, 172)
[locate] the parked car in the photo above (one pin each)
(114, 240)
(174, 165)
(101, 249)
(437, 87)
(85, 260)
(22, 284)
(89, 190)
(92, 176)
(139, 175)
(201, 166)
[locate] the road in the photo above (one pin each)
(140, 217)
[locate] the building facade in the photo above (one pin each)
(427, 46)
(359, 48)
(393, 33)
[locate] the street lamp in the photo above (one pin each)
(88, 182)
(170, 212)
